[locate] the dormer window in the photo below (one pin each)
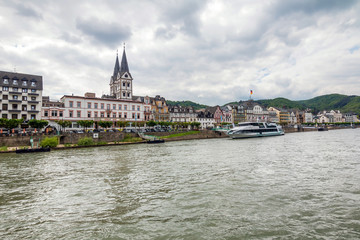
(15, 82)
(33, 84)
(6, 81)
(24, 83)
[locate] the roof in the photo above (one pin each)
(16, 76)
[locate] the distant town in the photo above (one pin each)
(21, 98)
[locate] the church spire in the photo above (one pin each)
(124, 64)
(117, 66)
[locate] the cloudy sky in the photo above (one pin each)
(210, 52)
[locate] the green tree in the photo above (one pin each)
(38, 123)
(151, 123)
(105, 124)
(13, 123)
(85, 123)
(63, 124)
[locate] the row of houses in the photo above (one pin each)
(21, 97)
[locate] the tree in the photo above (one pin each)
(12, 123)
(105, 124)
(151, 123)
(85, 123)
(121, 124)
(38, 123)
(63, 124)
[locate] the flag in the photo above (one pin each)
(251, 92)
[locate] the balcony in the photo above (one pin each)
(14, 110)
(33, 94)
(33, 111)
(15, 101)
(12, 92)
(36, 102)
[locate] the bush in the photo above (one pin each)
(86, 141)
(49, 142)
(3, 149)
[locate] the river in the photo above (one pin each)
(297, 186)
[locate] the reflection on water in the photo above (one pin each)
(301, 185)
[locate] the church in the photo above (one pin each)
(119, 105)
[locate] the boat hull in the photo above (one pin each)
(253, 135)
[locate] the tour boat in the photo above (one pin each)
(255, 129)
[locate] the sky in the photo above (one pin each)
(210, 52)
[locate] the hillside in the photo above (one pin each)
(344, 103)
(196, 106)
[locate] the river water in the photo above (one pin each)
(297, 186)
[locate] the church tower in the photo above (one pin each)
(121, 80)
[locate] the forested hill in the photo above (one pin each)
(328, 102)
(196, 106)
(344, 103)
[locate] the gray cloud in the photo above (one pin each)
(104, 32)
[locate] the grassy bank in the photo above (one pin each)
(180, 134)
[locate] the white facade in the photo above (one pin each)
(205, 122)
(308, 117)
(99, 109)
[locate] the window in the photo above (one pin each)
(61, 114)
(15, 89)
(33, 116)
(108, 106)
(133, 115)
(96, 114)
(71, 103)
(33, 107)
(108, 115)
(24, 108)
(102, 106)
(4, 107)
(128, 94)
(4, 116)
(133, 107)
(78, 104)
(119, 115)
(15, 82)
(6, 81)
(102, 114)
(54, 113)
(33, 90)
(24, 98)
(24, 83)
(24, 90)
(125, 107)
(114, 115)
(5, 97)
(89, 115)
(46, 113)
(78, 114)
(119, 106)
(95, 105)
(24, 116)
(33, 84)
(71, 114)
(114, 106)
(128, 84)
(5, 88)
(14, 116)
(138, 108)
(14, 106)
(138, 116)
(89, 105)
(125, 115)
(123, 84)
(33, 98)
(123, 94)
(15, 97)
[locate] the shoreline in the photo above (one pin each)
(183, 138)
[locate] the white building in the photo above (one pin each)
(20, 95)
(182, 114)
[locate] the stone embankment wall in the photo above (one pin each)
(66, 138)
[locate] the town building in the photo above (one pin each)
(119, 105)
(217, 113)
(182, 114)
(206, 119)
(20, 95)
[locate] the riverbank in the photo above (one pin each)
(132, 138)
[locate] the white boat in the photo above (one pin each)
(255, 129)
